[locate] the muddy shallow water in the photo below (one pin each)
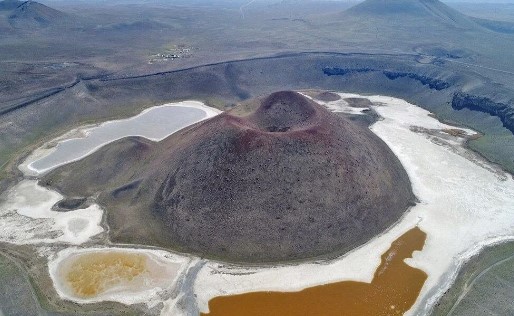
(91, 275)
(126, 275)
(393, 290)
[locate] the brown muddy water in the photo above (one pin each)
(393, 290)
(91, 275)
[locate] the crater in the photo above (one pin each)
(284, 111)
(278, 178)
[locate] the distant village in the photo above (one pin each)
(175, 52)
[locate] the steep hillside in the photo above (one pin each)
(496, 26)
(279, 178)
(31, 14)
(407, 18)
(406, 10)
(8, 5)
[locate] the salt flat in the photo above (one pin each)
(26, 217)
(26, 214)
(465, 204)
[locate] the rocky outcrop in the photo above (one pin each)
(432, 83)
(503, 111)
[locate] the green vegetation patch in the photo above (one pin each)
(16, 294)
(485, 285)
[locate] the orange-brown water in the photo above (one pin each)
(92, 274)
(393, 290)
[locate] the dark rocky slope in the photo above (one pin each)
(8, 5)
(432, 83)
(504, 111)
(428, 10)
(34, 15)
(277, 178)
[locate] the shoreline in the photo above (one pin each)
(451, 276)
(412, 214)
(84, 131)
(9, 171)
(173, 267)
(377, 239)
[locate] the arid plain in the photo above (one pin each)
(256, 158)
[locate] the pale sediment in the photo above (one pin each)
(465, 202)
(26, 217)
(124, 275)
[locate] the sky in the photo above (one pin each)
(240, 2)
